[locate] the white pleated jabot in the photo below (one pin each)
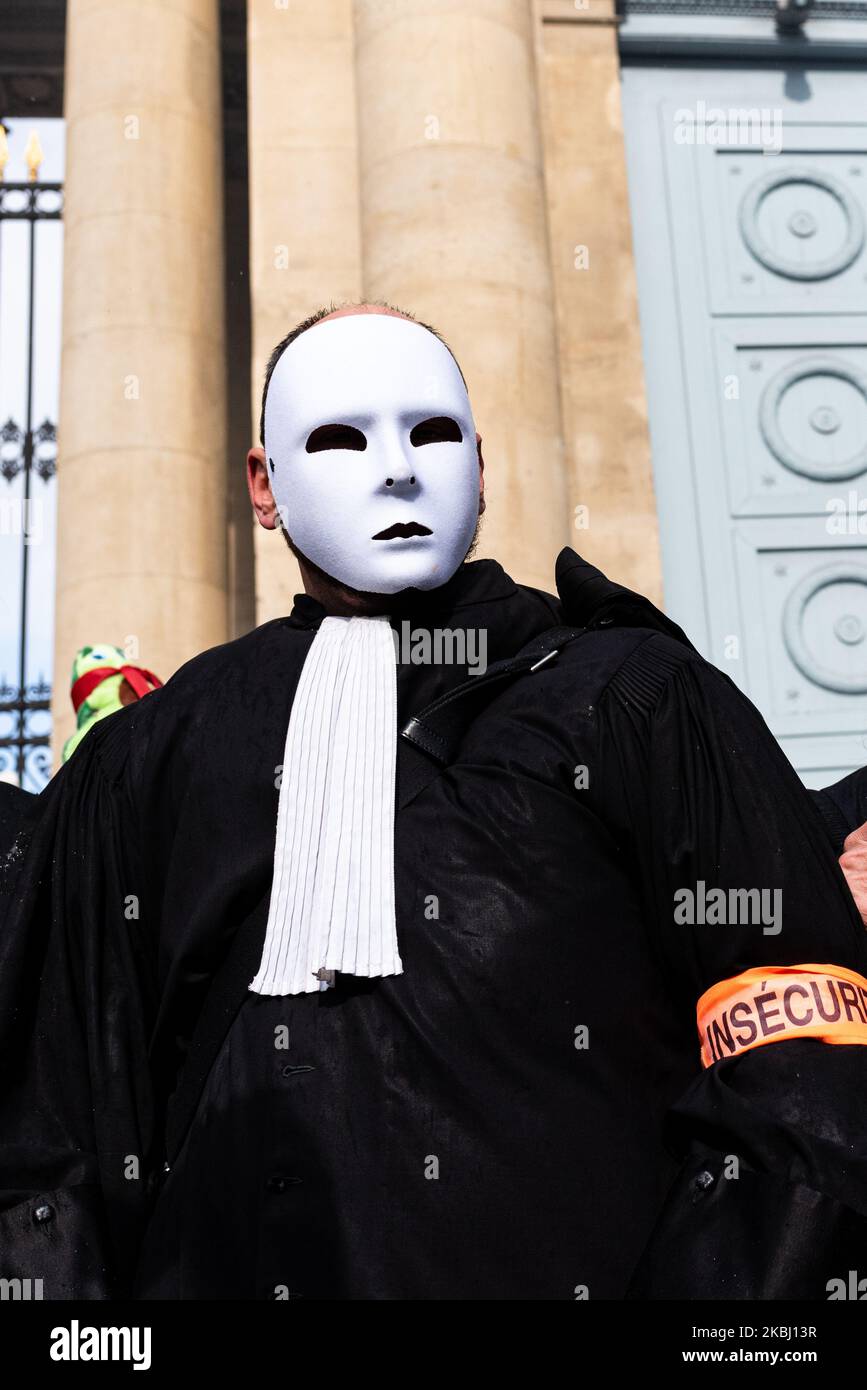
(332, 895)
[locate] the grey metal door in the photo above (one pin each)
(752, 275)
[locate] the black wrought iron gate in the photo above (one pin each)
(28, 451)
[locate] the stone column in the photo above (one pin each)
(608, 462)
(454, 230)
(304, 226)
(142, 470)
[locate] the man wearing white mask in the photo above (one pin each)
(328, 975)
(372, 464)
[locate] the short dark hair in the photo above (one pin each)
(321, 314)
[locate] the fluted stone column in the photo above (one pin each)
(142, 471)
(304, 222)
(454, 229)
(608, 460)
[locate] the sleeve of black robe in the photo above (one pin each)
(75, 1104)
(771, 1201)
(843, 806)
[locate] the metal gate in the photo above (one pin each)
(28, 461)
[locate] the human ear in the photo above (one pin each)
(259, 488)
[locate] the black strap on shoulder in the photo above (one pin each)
(430, 739)
(438, 729)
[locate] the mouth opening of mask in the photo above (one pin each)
(402, 529)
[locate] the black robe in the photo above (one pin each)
(16, 808)
(453, 1132)
(843, 806)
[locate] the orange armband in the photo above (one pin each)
(778, 1002)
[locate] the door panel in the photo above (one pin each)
(752, 277)
(797, 389)
(785, 232)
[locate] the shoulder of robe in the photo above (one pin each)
(210, 686)
(659, 662)
(632, 663)
(249, 656)
(230, 669)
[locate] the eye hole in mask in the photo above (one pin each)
(436, 430)
(335, 437)
(439, 429)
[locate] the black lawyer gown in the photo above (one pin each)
(522, 1113)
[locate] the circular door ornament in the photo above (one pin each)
(802, 223)
(824, 420)
(848, 630)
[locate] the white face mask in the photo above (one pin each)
(368, 428)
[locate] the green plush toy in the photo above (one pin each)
(103, 681)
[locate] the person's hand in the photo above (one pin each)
(853, 862)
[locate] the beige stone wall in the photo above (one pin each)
(454, 229)
(608, 460)
(304, 208)
(407, 165)
(142, 467)
(449, 156)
